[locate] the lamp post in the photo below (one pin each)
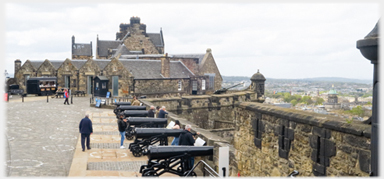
(369, 49)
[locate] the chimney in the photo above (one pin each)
(17, 66)
(165, 66)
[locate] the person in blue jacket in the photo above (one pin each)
(85, 128)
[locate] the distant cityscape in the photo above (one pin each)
(352, 97)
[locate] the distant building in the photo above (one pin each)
(332, 102)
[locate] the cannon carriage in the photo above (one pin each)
(143, 122)
(150, 136)
(122, 108)
(172, 159)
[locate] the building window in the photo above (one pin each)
(104, 85)
(97, 84)
(202, 84)
(180, 86)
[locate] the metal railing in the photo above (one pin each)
(206, 169)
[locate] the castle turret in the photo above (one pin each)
(257, 85)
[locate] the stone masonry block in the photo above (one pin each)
(319, 169)
(314, 141)
(287, 144)
(283, 153)
(290, 133)
(365, 160)
(281, 141)
(314, 155)
(257, 143)
(330, 148)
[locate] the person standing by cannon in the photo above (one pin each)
(187, 138)
(176, 126)
(162, 112)
(135, 102)
(151, 111)
(122, 127)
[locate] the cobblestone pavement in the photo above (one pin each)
(41, 137)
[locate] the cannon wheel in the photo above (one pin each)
(136, 151)
(150, 173)
(128, 136)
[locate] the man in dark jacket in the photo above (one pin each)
(85, 128)
(186, 138)
(122, 126)
(162, 112)
(151, 111)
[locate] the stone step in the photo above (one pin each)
(108, 145)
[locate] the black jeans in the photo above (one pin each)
(83, 136)
(66, 101)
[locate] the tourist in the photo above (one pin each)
(85, 128)
(135, 102)
(122, 126)
(162, 112)
(151, 111)
(187, 138)
(66, 96)
(157, 111)
(176, 126)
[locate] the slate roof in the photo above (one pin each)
(104, 45)
(36, 64)
(82, 49)
(199, 56)
(156, 39)
(151, 69)
(101, 63)
(56, 63)
(78, 63)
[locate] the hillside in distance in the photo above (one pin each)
(318, 79)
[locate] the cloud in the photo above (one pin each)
(284, 40)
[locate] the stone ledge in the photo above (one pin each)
(314, 119)
(222, 129)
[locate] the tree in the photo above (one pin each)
(319, 101)
(294, 102)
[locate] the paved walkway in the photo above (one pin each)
(43, 140)
(41, 137)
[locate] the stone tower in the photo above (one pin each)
(257, 85)
(332, 96)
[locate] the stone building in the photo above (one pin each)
(135, 40)
(332, 102)
(134, 63)
(81, 50)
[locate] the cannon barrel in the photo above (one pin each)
(122, 103)
(127, 107)
(143, 120)
(135, 113)
(149, 132)
(163, 152)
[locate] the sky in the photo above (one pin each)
(282, 40)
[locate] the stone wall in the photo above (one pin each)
(274, 141)
(67, 69)
(137, 41)
(90, 68)
(158, 88)
(267, 140)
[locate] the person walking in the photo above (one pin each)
(176, 126)
(86, 129)
(162, 112)
(151, 111)
(122, 127)
(66, 96)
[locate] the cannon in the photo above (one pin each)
(150, 136)
(134, 113)
(172, 159)
(140, 122)
(122, 108)
(223, 90)
(122, 103)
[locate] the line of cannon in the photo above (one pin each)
(151, 139)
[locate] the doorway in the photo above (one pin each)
(89, 85)
(115, 85)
